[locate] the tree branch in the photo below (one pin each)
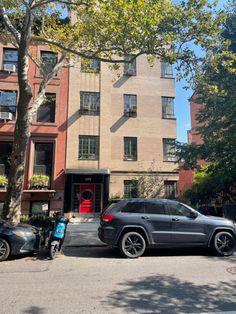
(9, 25)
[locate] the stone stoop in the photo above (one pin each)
(85, 218)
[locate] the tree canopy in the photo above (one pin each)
(215, 89)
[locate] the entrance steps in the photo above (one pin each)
(80, 218)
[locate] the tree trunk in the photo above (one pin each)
(12, 207)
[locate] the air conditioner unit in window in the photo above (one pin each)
(9, 67)
(6, 116)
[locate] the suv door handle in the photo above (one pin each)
(145, 217)
(175, 219)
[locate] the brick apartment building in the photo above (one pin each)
(47, 145)
(116, 128)
(186, 176)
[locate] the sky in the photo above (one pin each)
(182, 111)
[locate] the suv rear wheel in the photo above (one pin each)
(4, 250)
(224, 243)
(132, 244)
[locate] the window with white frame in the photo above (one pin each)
(170, 189)
(167, 107)
(130, 148)
(8, 102)
(90, 65)
(166, 70)
(130, 105)
(88, 147)
(129, 67)
(90, 103)
(169, 149)
(130, 188)
(10, 59)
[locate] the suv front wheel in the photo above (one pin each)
(224, 243)
(132, 244)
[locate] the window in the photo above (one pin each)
(167, 107)
(130, 105)
(129, 67)
(154, 208)
(133, 207)
(130, 148)
(43, 158)
(5, 153)
(90, 65)
(89, 103)
(39, 207)
(169, 149)
(130, 188)
(170, 189)
(88, 147)
(49, 59)
(10, 59)
(178, 209)
(166, 70)
(46, 112)
(8, 101)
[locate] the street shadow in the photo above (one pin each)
(92, 252)
(229, 259)
(118, 124)
(113, 252)
(167, 294)
(34, 310)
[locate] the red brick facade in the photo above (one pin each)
(41, 132)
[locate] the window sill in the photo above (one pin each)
(89, 113)
(174, 118)
(130, 114)
(88, 159)
(52, 124)
(168, 77)
(8, 72)
(170, 161)
(125, 159)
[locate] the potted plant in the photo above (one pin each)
(39, 181)
(3, 181)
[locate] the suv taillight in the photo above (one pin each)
(107, 218)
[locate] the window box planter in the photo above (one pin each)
(3, 182)
(39, 182)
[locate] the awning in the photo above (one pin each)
(87, 171)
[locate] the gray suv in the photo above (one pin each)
(135, 224)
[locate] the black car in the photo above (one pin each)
(19, 239)
(135, 224)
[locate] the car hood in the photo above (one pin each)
(220, 219)
(26, 227)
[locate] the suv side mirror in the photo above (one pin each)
(193, 215)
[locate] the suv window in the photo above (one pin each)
(154, 208)
(178, 209)
(134, 207)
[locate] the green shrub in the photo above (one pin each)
(3, 180)
(39, 181)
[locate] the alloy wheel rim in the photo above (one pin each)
(133, 245)
(3, 249)
(225, 243)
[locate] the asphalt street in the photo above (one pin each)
(97, 279)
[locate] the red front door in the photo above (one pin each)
(87, 192)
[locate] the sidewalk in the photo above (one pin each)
(82, 234)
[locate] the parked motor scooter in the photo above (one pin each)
(57, 234)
